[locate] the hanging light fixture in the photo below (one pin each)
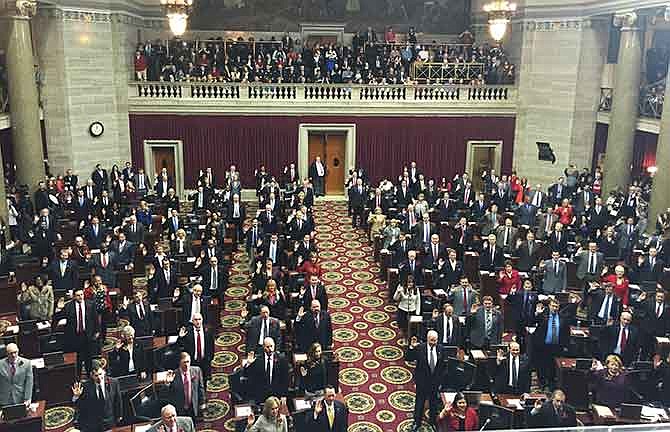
(500, 12)
(177, 12)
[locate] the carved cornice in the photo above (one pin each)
(538, 25)
(102, 16)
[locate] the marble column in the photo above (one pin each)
(660, 191)
(626, 94)
(23, 99)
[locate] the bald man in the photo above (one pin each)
(16, 378)
(170, 422)
(428, 375)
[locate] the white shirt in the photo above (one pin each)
(431, 351)
(319, 169)
(265, 363)
(513, 364)
(131, 363)
(81, 307)
(448, 326)
(195, 306)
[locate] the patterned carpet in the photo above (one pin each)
(375, 380)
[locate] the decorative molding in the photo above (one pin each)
(26, 8)
(627, 21)
(567, 24)
(102, 16)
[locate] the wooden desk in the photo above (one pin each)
(33, 422)
(574, 382)
(54, 383)
(8, 293)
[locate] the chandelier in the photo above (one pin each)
(177, 12)
(500, 12)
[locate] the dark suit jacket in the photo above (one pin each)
(138, 235)
(405, 270)
(124, 256)
(230, 212)
(356, 199)
(69, 312)
(321, 424)
(501, 383)
(67, 281)
(159, 286)
(188, 344)
(206, 273)
(254, 332)
(597, 300)
(528, 259)
(477, 326)
(307, 333)
(258, 381)
(609, 338)
(485, 259)
(526, 215)
(426, 381)
(321, 296)
(185, 301)
(457, 331)
(522, 314)
(541, 330)
(93, 411)
(653, 325)
(119, 360)
(176, 389)
(547, 417)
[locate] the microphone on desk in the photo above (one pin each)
(488, 420)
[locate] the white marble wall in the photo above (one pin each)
(560, 65)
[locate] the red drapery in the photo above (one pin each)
(644, 148)
(383, 144)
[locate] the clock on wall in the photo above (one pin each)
(96, 129)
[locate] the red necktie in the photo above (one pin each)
(198, 345)
(623, 341)
(187, 390)
(80, 319)
(465, 300)
(104, 260)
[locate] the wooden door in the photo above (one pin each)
(164, 158)
(482, 159)
(316, 147)
(335, 161)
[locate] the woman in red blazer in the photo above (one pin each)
(508, 279)
(620, 283)
(457, 416)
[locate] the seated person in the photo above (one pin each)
(457, 416)
(36, 302)
(170, 422)
(553, 413)
(271, 420)
(127, 357)
(611, 384)
(314, 371)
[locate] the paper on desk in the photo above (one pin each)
(542, 297)
(514, 403)
(142, 428)
(153, 307)
(484, 273)
(33, 407)
(243, 411)
(62, 322)
(95, 251)
(415, 319)
(461, 319)
(478, 354)
(299, 357)
(37, 363)
(662, 340)
(161, 376)
(301, 404)
(531, 330)
(172, 339)
(12, 329)
(190, 259)
(654, 414)
(602, 411)
(42, 325)
(439, 292)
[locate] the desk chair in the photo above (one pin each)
(146, 405)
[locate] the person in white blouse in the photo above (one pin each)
(409, 303)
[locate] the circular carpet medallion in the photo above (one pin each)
(406, 426)
(330, 265)
(385, 416)
(362, 276)
(367, 249)
(348, 354)
(381, 334)
(324, 236)
(230, 321)
(338, 303)
(359, 403)
(140, 282)
(110, 343)
(388, 353)
(360, 325)
(352, 244)
(349, 282)
(384, 294)
(239, 256)
(238, 279)
(376, 317)
(325, 245)
(366, 288)
(374, 269)
(242, 348)
(332, 277)
(235, 305)
(378, 388)
(240, 267)
(364, 426)
(341, 318)
(343, 259)
(352, 295)
(218, 382)
(371, 364)
(344, 335)
(335, 289)
(396, 375)
(216, 410)
(359, 264)
(356, 254)
(326, 255)
(229, 425)
(320, 227)
(371, 302)
(353, 376)
(224, 359)
(340, 249)
(58, 417)
(365, 343)
(356, 309)
(402, 400)
(390, 308)
(237, 292)
(345, 270)
(394, 324)
(228, 339)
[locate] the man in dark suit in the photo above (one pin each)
(186, 387)
(536, 198)
(597, 216)
(100, 179)
(411, 266)
(70, 180)
(527, 214)
(315, 326)
(451, 271)
(545, 223)
(306, 247)
(627, 234)
(64, 273)
(7, 265)
(491, 257)
(512, 372)
(428, 374)
(558, 240)
(95, 233)
(317, 174)
(82, 206)
(124, 250)
(134, 230)
(329, 415)
(648, 269)
(162, 282)
(199, 343)
(449, 328)
(81, 327)
(267, 373)
(273, 249)
(260, 327)
(378, 200)
(202, 199)
(424, 230)
(589, 265)
(214, 278)
(105, 264)
(463, 297)
(191, 303)
(555, 274)
(554, 413)
(486, 325)
(403, 195)
(400, 248)
(621, 338)
(433, 252)
(139, 315)
(357, 196)
(655, 317)
(522, 306)
(125, 349)
(236, 213)
(528, 253)
(550, 338)
(315, 290)
(299, 227)
(605, 307)
(558, 191)
(268, 219)
(585, 200)
(98, 401)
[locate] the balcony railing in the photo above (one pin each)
(605, 104)
(147, 94)
(651, 100)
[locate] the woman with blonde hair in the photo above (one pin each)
(181, 245)
(377, 221)
(271, 420)
(611, 384)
